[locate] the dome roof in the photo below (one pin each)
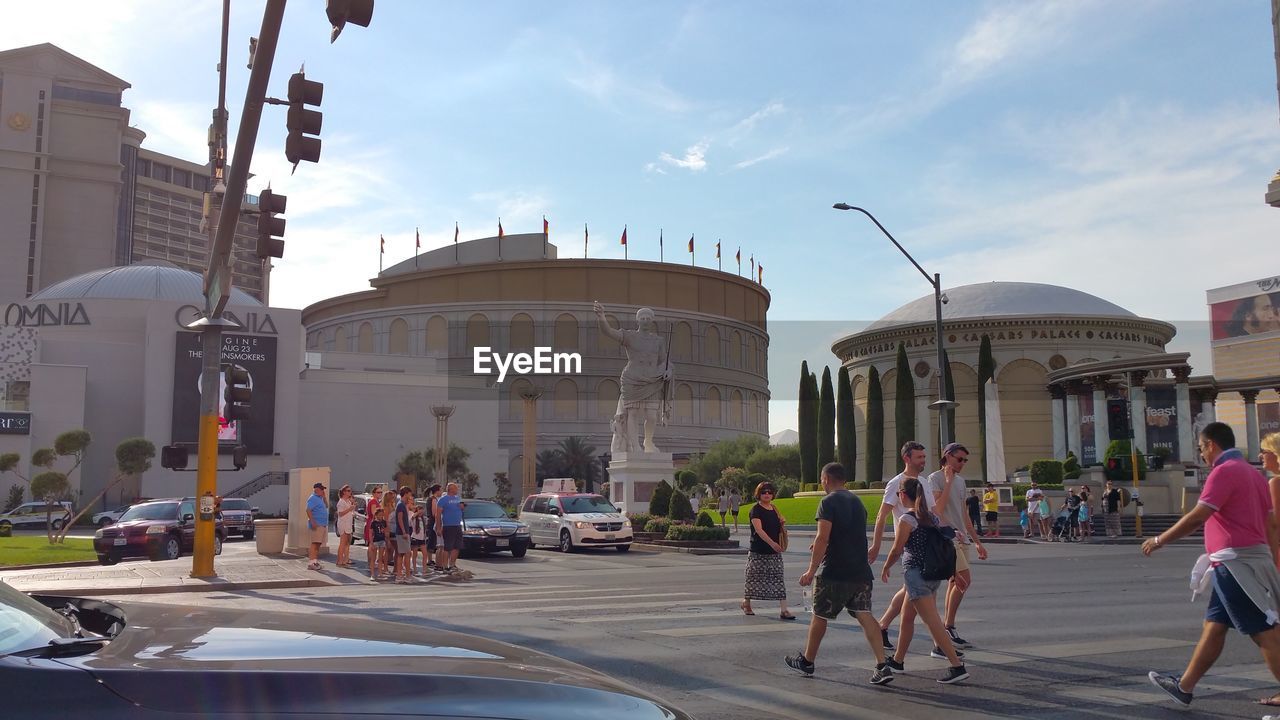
(1002, 299)
(144, 281)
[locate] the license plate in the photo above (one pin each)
(502, 543)
(609, 537)
(120, 541)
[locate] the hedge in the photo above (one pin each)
(639, 520)
(680, 509)
(1047, 472)
(660, 501)
(693, 532)
(657, 525)
(705, 520)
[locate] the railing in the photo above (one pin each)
(260, 483)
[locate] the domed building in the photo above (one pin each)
(1038, 333)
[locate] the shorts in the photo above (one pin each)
(432, 541)
(992, 516)
(415, 544)
(962, 555)
(917, 586)
(378, 544)
(319, 534)
(402, 544)
(1229, 605)
(832, 596)
(452, 538)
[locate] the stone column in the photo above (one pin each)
(1057, 395)
(923, 436)
(1138, 409)
(1101, 430)
(1208, 409)
(1186, 434)
(1073, 420)
(529, 459)
(1252, 434)
(442, 413)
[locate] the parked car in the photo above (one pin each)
(106, 517)
(36, 514)
(158, 529)
(486, 528)
(237, 517)
(138, 661)
(573, 520)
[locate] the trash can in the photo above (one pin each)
(270, 535)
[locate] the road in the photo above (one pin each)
(1060, 631)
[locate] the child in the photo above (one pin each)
(378, 531)
(1025, 522)
(418, 541)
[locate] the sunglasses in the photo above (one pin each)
(766, 492)
(962, 460)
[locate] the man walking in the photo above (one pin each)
(840, 574)
(449, 509)
(317, 523)
(946, 489)
(913, 459)
(1111, 510)
(401, 533)
(1235, 509)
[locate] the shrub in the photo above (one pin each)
(705, 520)
(1119, 451)
(639, 520)
(6, 530)
(694, 532)
(686, 480)
(786, 488)
(856, 485)
(1071, 467)
(1020, 503)
(753, 481)
(657, 525)
(681, 510)
(660, 503)
(1047, 472)
(15, 497)
(1020, 489)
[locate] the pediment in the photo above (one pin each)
(47, 59)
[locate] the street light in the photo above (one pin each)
(943, 404)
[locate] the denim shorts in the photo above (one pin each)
(917, 586)
(1229, 605)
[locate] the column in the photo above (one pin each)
(1187, 450)
(1251, 429)
(1101, 431)
(1073, 420)
(1208, 408)
(1138, 409)
(529, 461)
(442, 413)
(1057, 396)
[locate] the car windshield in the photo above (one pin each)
(152, 511)
(235, 504)
(590, 504)
(480, 510)
(25, 623)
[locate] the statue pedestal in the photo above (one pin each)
(633, 477)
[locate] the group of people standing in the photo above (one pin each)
(1074, 519)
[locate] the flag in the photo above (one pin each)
(383, 243)
(417, 245)
(659, 244)
(738, 256)
(718, 255)
(624, 234)
(690, 243)
(760, 270)
(586, 237)
(692, 257)
(546, 228)
(499, 239)
(499, 228)
(455, 233)
(753, 264)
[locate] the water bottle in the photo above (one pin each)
(806, 595)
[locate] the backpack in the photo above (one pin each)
(939, 553)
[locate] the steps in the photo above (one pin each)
(260, 483)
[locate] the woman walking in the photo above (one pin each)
(764, 560)
(735, 501)
(346, 524)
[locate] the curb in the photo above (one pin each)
(50, 566)
(691, 551)
(163, 589)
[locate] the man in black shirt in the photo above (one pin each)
(844, 580)
(1111, 510)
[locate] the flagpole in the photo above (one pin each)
(719, 265)
(738, 256)
(659, 244)
(455, 243)
(626, 251)
(382, 250)
(546, 230)
(586, 235)
(417, 245)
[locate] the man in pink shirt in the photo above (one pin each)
(1235, 509)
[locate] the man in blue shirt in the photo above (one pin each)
(317, 522)
(450, 519)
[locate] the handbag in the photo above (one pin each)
(782, 534)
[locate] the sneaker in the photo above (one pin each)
(954, 675)
(799, 664)
(882, 675)
(937, 652)
(884, 638)
(1170, 684)
(956, 639)
(894, 665)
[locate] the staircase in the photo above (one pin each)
(258, 484)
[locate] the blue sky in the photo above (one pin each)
(1119, 148)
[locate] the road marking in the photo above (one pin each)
(727, 630)
(1030, 653)
(614, 606)
(798, 706)
(641, 617)
(507, 602)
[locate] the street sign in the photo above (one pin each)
(218, 290)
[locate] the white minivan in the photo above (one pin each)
(573, 520)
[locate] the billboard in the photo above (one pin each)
(1090, 454)
(1244, 317)
(254, 353)
(1268, 418)
(1162, 420)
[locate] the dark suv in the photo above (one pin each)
(157, 529)
(237, 517)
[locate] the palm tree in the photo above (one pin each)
(550, 464)
(579, 460)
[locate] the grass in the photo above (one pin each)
(801, 511)
(36, 550)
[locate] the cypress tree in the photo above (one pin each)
(847, 447)
(807, 423)
(875, 427)
(951, 395)
(826, 421)
(904, 402)
(986, 371)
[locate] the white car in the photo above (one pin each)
(107, 517)
(35, 514)
(573, 520)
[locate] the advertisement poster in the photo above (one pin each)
(1088, 453)
(1162, 420)
(1256, 315)
(254, 353)
(1268, 418)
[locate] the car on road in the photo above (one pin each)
(157, 529)
(487, 528)
(574, 520)
(107, 517)
(237, 517)
(36, 514)
(74, 656)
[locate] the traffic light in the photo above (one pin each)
(240, 457)
(174, 457)
(302, 122)
(270, 226)
(341, 12)
(238, 393)
(1118, 419)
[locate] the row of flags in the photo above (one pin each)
(757, 269)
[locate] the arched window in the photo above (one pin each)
(711, 346)
(566, 400)
(737, 351)
(313, 340)
(477, 332)
(682, 342)
(521, 332)
(398, 339)
(340, 343)
(566, 333)
(751, 354)
(711, 408)
(684, 404)
(364, 342)
(607, 399)
(762, 414)
(736, 413)
(437, 335)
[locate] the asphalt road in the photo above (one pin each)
(1059, 631)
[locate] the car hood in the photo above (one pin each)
(596, 517)
(280, 663)
(493, 522)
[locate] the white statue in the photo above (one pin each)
(647, 387)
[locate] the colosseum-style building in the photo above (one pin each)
(515, 293)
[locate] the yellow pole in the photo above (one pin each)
(206, 489)
(1137, 509)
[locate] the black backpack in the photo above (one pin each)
(939, 553)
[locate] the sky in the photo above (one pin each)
(1122, 149)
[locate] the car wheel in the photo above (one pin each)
(107, 560)
(248, 536)
(171, 550)
(622, 548)
(217, 544)
(6, 525)
(566, 542)
(57, 524)
(104, 522)
(518, 552)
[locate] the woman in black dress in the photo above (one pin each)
(764, 561)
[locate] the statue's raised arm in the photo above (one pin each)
(603, 323)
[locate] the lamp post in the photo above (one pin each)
(943, 404)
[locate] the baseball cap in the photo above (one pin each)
(953, 447)
(318, 485)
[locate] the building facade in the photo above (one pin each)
(1244, 338)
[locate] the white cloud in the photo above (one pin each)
(515, 207)
(179, 129)
(747, 125)
(695, 158)
(621, 92)
(776, 152)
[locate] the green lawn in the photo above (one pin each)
(800, 511)
(36, 550)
